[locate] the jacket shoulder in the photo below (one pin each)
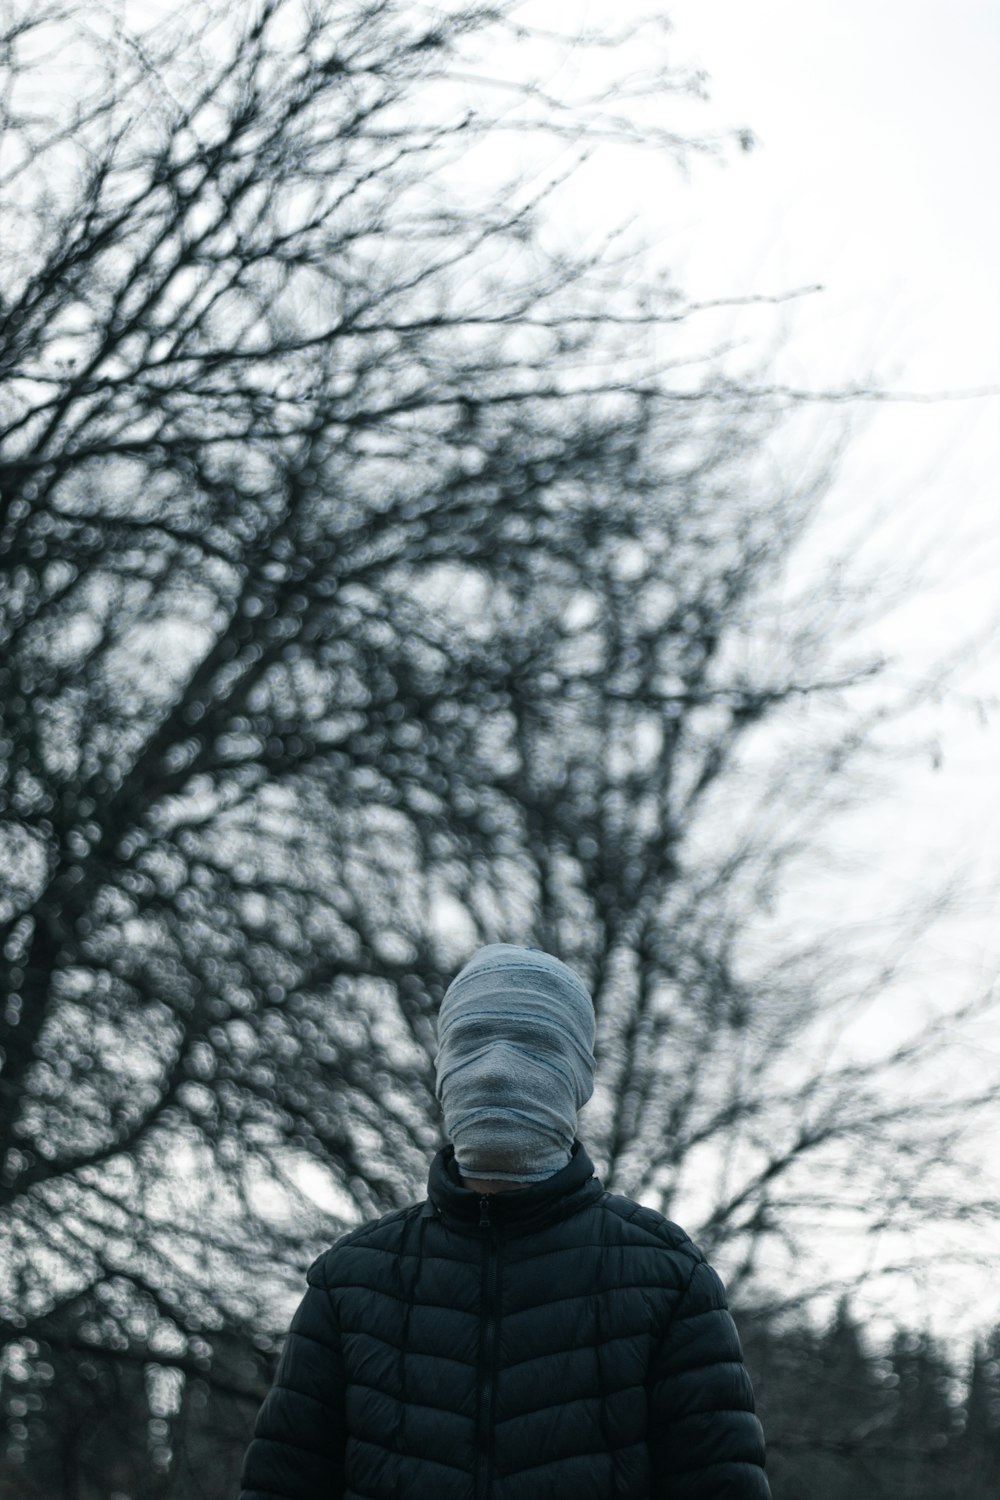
(382, 1233)
(646, 1223)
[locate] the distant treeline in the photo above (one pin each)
(841, 1421)
(845, 1423)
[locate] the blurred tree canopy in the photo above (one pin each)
(382, 575)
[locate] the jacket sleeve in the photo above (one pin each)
(297, 1452)
(705, 1441)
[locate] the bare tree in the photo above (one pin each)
(368, 579)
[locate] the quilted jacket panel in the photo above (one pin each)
(556, 1342)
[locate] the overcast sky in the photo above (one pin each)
(876, 176)
(876, 173)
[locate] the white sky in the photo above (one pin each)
(876, 175)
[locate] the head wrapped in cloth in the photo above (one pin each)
(515, 1063)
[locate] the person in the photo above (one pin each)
(522, 1333)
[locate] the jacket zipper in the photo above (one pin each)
(487, 1382)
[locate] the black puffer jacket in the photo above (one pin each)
(553, 1341)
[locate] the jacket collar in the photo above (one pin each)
(519, 1210)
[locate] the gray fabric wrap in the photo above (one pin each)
(515, 1063)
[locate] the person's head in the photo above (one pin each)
(515, 1063)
